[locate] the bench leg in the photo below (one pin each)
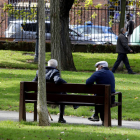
(22, 112)
(120, 110)
(107, 111)
(107, 117)
(22, 108)
(35, 111)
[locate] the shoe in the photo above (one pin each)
(132, 72)
(75, 106)
(61, 120)
(93, 118)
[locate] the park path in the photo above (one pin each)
(14, 116)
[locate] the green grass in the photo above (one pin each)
(84, 62)
(127, 84)
(10, 130)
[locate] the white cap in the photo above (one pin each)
(102, 63)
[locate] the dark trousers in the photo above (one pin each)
(61, 107)
(122, 57)
(99, 109)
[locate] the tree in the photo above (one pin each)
(121, 25)
(41, 100)
(60, 42)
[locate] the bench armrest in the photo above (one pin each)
(116, 93)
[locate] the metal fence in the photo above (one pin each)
(87, 26)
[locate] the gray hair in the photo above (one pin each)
(53, 63)
(122, 29)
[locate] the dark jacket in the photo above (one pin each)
(103, 76)
(122, 44)
(130, 27)
(52, 75)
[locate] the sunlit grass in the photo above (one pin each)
(30, 131)
(82, 61)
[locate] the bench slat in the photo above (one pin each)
(67, 98)
(70, 88)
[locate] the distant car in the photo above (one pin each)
(27, 32)
(135, 37)
(99, 34)
(77, 38)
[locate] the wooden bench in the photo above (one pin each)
(28, 94)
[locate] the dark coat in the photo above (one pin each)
(130, 27)
(52, 75)
(122, 44)
(103, 76)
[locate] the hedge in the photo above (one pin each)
(30, 46)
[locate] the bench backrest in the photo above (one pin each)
(103, 91)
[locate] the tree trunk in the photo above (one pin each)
(122, 18)
(121, 25)
(60, 42)
(41, 100)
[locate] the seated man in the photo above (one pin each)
(102, 76)
(53, 75)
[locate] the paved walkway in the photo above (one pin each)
(14, 116)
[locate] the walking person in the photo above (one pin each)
(129, 26)
(122, 49)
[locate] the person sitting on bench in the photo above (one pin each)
(102, 75)
(52, 75)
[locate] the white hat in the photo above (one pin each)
(102, 63)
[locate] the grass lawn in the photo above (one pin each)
(19, 67)
(10, 130)
(22, 69)
(83, 61)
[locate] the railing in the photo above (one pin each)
(92, 26)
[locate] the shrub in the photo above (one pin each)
(30, 46)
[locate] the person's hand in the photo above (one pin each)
(131, 50)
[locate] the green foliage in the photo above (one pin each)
(20, 46)
(88, 3)
(98, 6)
(30, 46)
(94, 15)
(20, 13)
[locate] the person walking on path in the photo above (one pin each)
(122, 49)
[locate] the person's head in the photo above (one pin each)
(53, 63)
(99, 65)
(123, 30)
(128, 16)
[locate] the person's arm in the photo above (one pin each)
(36, 77)
(57, 79)
(92, 79)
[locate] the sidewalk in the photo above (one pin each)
(14, 116)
